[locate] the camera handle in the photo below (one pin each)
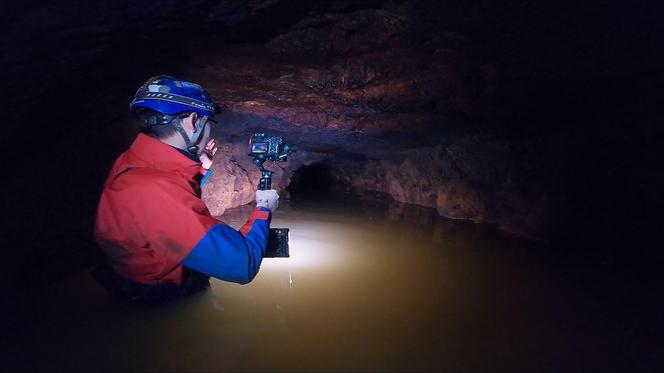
(265, 182)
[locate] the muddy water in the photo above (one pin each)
(368, 287)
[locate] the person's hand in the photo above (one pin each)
(207, 156)
(267, 198)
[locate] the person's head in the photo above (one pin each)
(174, 111)
(171, 127)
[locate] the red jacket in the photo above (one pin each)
(151, 217)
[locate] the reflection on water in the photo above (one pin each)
(367, 287)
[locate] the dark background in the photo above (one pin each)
(550, 112)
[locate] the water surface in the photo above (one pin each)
(367, 287)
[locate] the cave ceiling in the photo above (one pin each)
(345, 76)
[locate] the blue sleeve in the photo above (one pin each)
(229, 255)
(205, 177)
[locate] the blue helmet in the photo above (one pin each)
(170, 95)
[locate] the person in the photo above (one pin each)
(158, 236)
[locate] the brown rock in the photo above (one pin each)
(234, 177)
(457, 199)
(230, 184)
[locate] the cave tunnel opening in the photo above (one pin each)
(314, 181)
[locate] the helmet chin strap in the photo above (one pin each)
(191, 142)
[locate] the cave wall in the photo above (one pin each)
(483, 180)
(540, 118)
(493, 114)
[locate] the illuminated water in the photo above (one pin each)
(367, 288)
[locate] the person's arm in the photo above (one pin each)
(206, 175)
(231, 255)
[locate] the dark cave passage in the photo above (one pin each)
(315, 181)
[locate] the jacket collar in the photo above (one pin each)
(150, 152)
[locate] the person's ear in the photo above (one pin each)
(189, 122)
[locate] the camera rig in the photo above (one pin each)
(268, 148)
(271, 148)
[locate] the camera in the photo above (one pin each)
(271, 148)
(268, 148)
